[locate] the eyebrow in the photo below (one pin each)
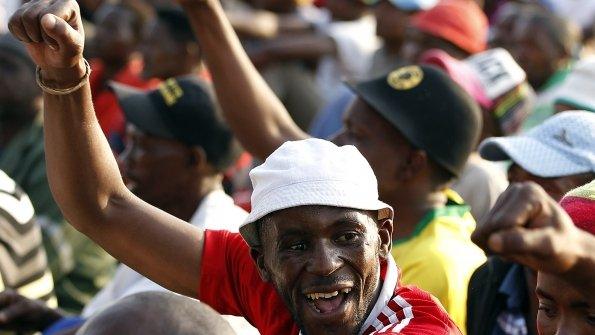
(577, 304)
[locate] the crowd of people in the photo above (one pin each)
(297, 167)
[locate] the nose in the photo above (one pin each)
(325, 259)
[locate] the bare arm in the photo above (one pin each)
(257, 117)
(83, 174)
(529, 227)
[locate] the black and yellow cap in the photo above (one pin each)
(181, 109)
(432, 111)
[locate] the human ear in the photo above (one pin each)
(385, 237)
(198, 157)
(417, 161)
(258, 258)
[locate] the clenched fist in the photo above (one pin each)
(53, 33)
(529, 227)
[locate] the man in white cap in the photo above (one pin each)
(558, 155)
(317, 257)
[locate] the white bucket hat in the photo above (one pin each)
(563, 145)
(312, 172)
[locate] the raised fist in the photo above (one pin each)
(529, 227)
(52, 31)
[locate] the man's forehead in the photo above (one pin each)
(554, 288)
(312, 217)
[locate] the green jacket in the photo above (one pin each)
(80, 268)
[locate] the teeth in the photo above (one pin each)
(314, 296)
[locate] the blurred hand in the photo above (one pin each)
(53, 33)
(529, 227)
(18, 313)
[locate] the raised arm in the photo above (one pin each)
(257, 117)
(83, 174)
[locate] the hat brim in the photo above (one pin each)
(140, 110)
(532, 155)
(329, 193)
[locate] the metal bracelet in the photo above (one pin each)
(63, 91)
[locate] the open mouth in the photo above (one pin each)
(327, 302)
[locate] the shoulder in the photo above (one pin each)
(415, 311)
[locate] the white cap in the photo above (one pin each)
(312, 172)
(563, 145)
(497, 72)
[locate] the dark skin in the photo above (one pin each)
(84, 175)
(391, 25)
(503, 25)
(529, 44)
(164, 56)
(529, 227)
(562, 308)
(166, 174)
(556, 187)
(148, 161)
(262, 124)
(346, 10)
(405, 178)
(23, 314)
(20, 100)
(417, 42)
(116, 37)
(319, 249)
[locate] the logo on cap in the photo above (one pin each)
(405, 78)
(171, 92)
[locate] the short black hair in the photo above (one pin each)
(177, 23)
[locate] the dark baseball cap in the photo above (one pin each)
(432, 111)
(15, 47)
(181, 109)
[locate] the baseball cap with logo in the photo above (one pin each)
(563, 145)
(312, 172)
(432, 111)
(181, 109)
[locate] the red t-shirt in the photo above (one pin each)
(230, 284)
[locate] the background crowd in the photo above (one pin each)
(507, 96)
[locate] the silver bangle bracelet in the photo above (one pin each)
(63, 91)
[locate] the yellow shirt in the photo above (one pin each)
(439, 257)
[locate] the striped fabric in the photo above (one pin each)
(23, 264)
(395, 317)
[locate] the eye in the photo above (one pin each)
(297, 247)
(547, 310)
(591, 320)
(348, 237)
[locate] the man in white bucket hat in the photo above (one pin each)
(317, 257)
